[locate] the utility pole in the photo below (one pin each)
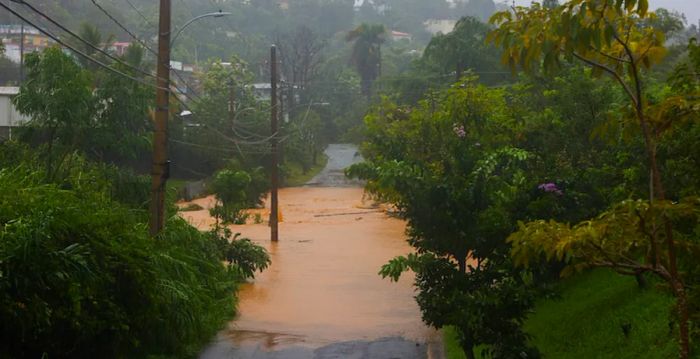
(231, 103)
(160, 170)
(21, 54)
(274, 181)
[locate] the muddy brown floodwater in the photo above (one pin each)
(322, 297)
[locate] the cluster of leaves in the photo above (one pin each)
(242, 255)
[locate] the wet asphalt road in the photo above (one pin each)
(248, 339)
(340, 156)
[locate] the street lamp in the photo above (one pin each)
(211, 14)
(160, 169)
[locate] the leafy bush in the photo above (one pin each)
(236, 190)
(242, 255)
(80, 277)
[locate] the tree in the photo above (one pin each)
(366, 53)
(300, 55)
(446, 166)
(122, 126)
(610, 37)
(92, 35)
(230, 188)
(218, 130)
(57, 97)
(463, 48)
(71, 112)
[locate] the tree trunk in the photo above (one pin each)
(682, 302)
(469, 352)
(462, 261)
(675, 279)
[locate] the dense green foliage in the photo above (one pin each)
(68, 115)
(490, 179)
(79, 274)
(81, 277)
(460, 195)
(622, 40)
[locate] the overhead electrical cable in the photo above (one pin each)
(102, 51)
(91, 45)
(82, 54)
(143, 43)
(148, 22)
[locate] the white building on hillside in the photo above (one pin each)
(9, 117)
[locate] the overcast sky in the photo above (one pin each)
(691, 8)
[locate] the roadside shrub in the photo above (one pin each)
(230, 188)
(80, 277)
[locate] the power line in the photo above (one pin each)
(96, 48)
(148, 22)
(55, 38)
(187, 85)
(86, 56)
(124, 28)
(143, 43)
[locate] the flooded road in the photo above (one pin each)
(322, 297)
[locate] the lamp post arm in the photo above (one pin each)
(212, 14)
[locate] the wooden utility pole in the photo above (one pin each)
(160, 170)
(231, 103)
(274, 180)
(21, 54)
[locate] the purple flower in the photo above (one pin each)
(459, 130)
(550, 188)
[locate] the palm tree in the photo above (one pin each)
(91, 34)
(366, 53)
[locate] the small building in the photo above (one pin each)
(11, 36)
(119, 48)
(10, 118)
(398, 36)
